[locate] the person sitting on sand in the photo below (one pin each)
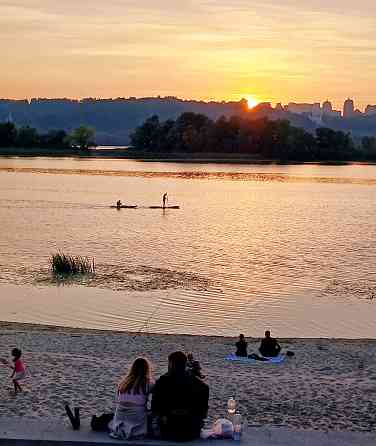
(241, 347)
(269, 346)
(130, 420)
(193, 366)
(180, 401)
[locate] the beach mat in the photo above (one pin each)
(234, 358)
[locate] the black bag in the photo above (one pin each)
(100, 424)
(74, 419)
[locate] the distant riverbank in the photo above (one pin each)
(128, 153)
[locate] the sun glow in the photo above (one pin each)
(252, 101)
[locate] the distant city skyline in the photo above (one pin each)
(368, 107)
(295, 50)
(319, 113)
(349, 107)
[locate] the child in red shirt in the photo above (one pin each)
(18, 370)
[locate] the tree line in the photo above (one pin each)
(277, 139)
(113, 119)
(28, 137)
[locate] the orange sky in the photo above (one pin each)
(291, 50)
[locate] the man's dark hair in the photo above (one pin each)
(177, 362)
(267, 333)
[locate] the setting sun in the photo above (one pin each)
(252, 101)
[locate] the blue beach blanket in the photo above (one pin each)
(233, 357)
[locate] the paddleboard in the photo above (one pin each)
(124, 206)
(166, 207)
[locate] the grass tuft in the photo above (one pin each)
(68, 265)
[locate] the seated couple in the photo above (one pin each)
(179, 402)
(269, 347)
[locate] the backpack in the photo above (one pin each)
(100, 424)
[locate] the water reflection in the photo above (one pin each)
(287, 251)
(198, 175)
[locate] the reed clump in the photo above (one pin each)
(68, 265)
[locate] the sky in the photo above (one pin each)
(277, 51)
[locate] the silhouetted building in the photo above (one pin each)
(348, 108)
(327, 108)
(263, 107)
(370, 110)
(300, 109)
(279, 107)
(336, 114)
(316, 109)
(9, 118)
(316, 113)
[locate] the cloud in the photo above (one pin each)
(213, 46)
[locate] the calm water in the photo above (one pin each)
(287, 247)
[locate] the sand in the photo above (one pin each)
(328, 385)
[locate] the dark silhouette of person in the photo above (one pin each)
(180, 401)
(241, 346)
(165, 199)
(118, 204)
(269, 346)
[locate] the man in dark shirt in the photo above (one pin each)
(180, 401)
(269, 346)
(241, 347)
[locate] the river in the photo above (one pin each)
(291, 248)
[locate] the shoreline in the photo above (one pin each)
(126, 154)
(36, 327)
(329, 384)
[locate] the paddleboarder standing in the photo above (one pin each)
(165, 199)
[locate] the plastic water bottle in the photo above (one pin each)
(231, 406)
(237, 422)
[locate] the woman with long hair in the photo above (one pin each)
(130, 420)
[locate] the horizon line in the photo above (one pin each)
(182, 99)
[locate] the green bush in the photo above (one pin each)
(70, 265)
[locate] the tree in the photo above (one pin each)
(369, 147)
(147, 136)
(27, 137)
(8, 134)
(302, 145)
(82, 137)
(271, 139)
(54, 138)
(334, 145)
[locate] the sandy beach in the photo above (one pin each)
(328, 385)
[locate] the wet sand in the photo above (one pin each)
(328, 385)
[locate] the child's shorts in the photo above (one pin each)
(19, 375)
